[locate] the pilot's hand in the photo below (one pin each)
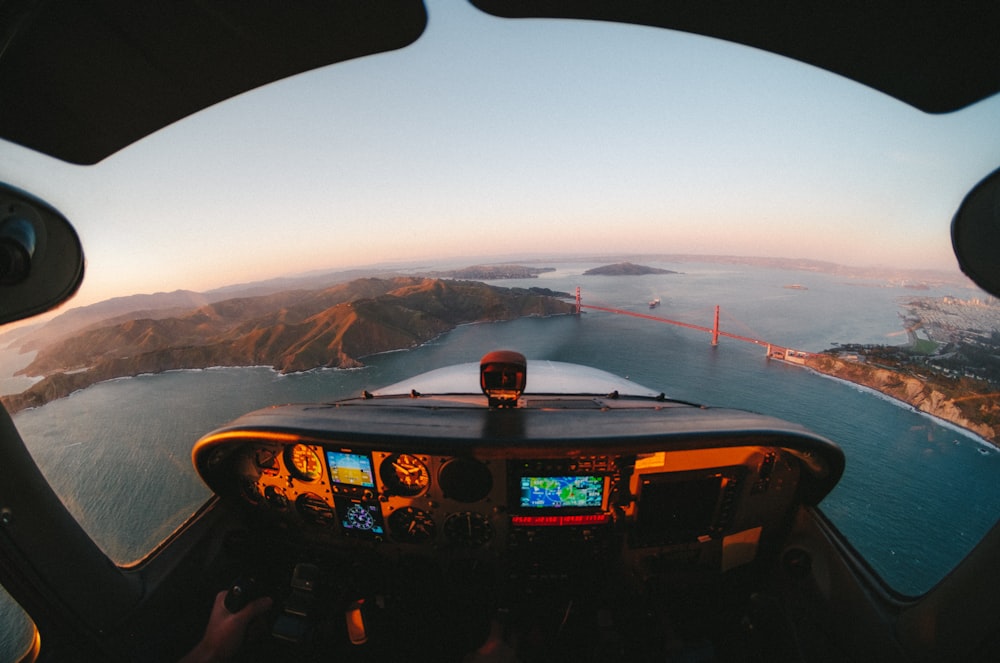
(494, 650)
(226, 631)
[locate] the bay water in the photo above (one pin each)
(916, 496)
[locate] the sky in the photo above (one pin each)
(490, 137)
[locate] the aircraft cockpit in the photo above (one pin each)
(246, 174)
(413, 522)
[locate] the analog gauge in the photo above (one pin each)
(411, 525)
(357, 517)
(468, 528)
(265, 460)
(275, 497)
(404, 474)
(465, 480)
(314, 509)
(250, 491)
(303, 462)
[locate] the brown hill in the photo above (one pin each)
(291, 331)
(626, 269)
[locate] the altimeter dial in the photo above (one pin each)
(404, 474)
(411, 525)
(303, 462)
(468, 528)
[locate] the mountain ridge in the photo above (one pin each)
(291, 331)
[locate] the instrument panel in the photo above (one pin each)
(380, 496)
(439, 516)
(628, 483)
(716, 503)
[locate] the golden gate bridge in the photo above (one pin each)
(773, 349)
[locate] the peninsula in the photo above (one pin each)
(290, 331)
(950, 368)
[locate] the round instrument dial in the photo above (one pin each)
(404, 474)
(303, 462)
(250, 491)
(275, 497)
(468, 528)
(314, 509)
(266, 460)
(412, 525)
(359, 518)
(465, 480)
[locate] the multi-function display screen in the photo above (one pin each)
(562, 492)
(350, 469)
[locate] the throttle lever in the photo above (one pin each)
(243, 590)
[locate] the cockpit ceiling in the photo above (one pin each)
(81, 80)
(936, 56)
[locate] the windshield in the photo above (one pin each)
(675, 180)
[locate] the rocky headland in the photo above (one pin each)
(969, 404)
(290, 331)
(950, 368)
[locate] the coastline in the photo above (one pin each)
(961, 430)
(369, 317)
(58, 385)
(905, 391)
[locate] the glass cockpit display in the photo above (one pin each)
(352, 481)
(350, 469)
(360, 517)
(545, 492)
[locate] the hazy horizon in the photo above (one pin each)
(526, 136)
(875, 272)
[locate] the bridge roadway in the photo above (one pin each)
(773, 349)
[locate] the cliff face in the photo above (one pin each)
(957, 408)
(292, 331)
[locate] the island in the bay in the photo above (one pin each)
(950, 368)
(294, 330)
(626, 269)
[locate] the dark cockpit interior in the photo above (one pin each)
(582, 527)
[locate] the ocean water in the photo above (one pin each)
(914, 499)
